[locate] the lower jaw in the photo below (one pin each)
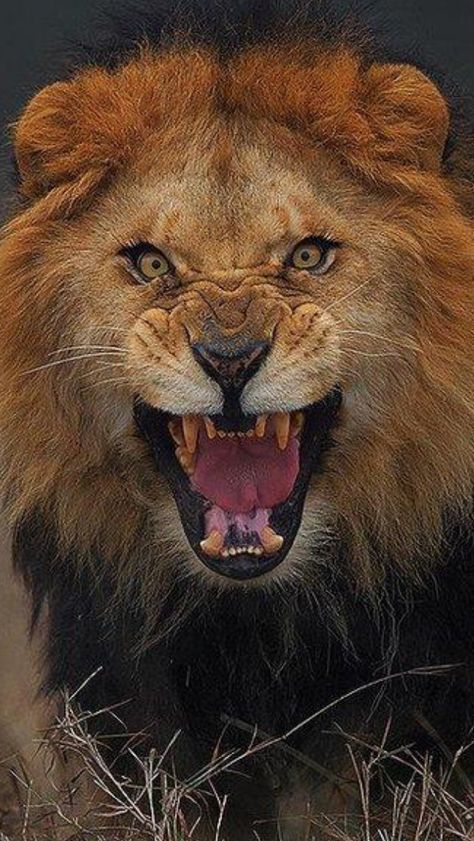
(284, 519)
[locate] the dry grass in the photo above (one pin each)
(401, 795)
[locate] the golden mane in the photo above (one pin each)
(387, 126)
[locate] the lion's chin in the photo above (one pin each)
(240, 482)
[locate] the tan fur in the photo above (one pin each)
(226, 171)
(413, 237)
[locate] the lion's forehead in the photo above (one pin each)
(216, 217)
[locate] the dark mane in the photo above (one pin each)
(227, 26)
(230, 26)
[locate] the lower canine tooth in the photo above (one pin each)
(260, 426)
(282, 429)
(186, 459)
(271, 541)
(213, 544)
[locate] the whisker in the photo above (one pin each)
(366, 353)
(347, 295)
(114, 348)
(111, 381)
(411, 345)
(104, 366)
(66, 361)
(111, 327)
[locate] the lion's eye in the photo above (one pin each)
(148, 263)
(314, 255)
(152, 264)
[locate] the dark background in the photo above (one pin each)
(35, 32)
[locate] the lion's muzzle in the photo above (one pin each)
(242, 468)
(232, 367)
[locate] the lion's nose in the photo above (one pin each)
(231, 367)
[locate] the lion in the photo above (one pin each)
(237, 409)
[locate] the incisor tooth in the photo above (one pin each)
(271, 541)
(190, 431)
(210, 428)
(260, 426)
(282, 429)
(176, 431)
(213, 544)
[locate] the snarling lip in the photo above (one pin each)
(240, 482)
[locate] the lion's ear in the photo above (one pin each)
(59, 140)
(42, 138)
(408, 114)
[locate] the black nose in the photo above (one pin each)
(231, 368)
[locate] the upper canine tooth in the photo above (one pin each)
(271, 541)
(186, 459)
(210, 428)
(191, 431)
(176, 431)
(261, 425)
(297, 421)
(213, 544)
(282, 429)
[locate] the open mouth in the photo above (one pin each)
(240, 482)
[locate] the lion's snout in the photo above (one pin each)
(231, 365)
(234, 352)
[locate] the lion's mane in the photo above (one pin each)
(388, 124)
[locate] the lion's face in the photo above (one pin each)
(243, 294)
(259, 325)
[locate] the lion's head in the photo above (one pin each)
(237, 313)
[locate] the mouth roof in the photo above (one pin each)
(240, 482)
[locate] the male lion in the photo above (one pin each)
(237, 410)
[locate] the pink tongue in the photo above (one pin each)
(241, 474)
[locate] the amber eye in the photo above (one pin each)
(152, 264)
(313, 255)
(147, 263)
